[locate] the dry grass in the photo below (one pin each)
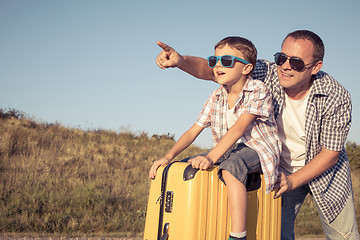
(60, 181)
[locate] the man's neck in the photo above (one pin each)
(298, 94)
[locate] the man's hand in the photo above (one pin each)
(201, 163)
(284, 184)
(168, 58)
(161, 162)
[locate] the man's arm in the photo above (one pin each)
(317, 166)
(195, 66)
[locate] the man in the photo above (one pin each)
(314, 116)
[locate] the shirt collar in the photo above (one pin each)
(248, 86)
(318, 86)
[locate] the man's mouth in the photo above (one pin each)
(286, 75)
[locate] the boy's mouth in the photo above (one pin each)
(219, 73)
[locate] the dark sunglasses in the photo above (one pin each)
(296, 63)
(226, 60)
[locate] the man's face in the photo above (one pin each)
(297, 84)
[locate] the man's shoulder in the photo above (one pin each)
(265, 71)
(325, 83)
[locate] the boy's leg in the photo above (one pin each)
(233, 169)
(291, 203)
(344, 226)
(237, 197)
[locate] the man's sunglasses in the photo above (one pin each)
(296, 63)
(226, 60)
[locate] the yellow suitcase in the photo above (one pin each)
(187, 204)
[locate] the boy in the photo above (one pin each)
(244, 131)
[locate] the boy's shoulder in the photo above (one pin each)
(219, 91)
(255, 84)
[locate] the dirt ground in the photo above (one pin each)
(63, 238)
(92, 238)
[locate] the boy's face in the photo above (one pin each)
(228, 76)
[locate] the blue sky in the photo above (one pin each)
(91, 64)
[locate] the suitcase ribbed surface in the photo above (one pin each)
(197, 209)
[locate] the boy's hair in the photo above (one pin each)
(245, 46)
(319, 49)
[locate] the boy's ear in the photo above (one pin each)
(247, 69)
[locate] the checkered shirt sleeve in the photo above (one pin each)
(263, 137)
(208, 117)
(257, 102)
(327, 125)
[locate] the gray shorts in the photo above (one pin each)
(239, 161)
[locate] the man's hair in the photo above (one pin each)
(246, 47)
(319, 49)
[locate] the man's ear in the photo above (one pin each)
(247, 69)
(316, 68)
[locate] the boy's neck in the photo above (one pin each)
(234, 91)
(236, 88)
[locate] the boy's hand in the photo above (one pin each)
(161, 162)
(168, 57)
(201, 163)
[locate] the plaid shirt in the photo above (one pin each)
(261, 135)
(328, 120)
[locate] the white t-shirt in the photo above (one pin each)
(231, 119)
(291, 124)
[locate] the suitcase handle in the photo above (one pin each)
(162, 202)
(189, 173)
(253, 182)
(165, 235)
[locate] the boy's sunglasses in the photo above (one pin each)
(226, 60)
(296, 63)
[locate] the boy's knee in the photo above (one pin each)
(227, 175)
(229, 178)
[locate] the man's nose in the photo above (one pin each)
(286, 64)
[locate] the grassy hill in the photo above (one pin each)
(71, 182)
